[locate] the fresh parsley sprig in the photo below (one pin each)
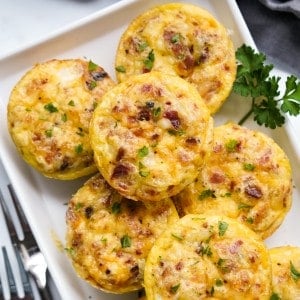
(253, 80)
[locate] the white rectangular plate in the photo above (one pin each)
(96, 38)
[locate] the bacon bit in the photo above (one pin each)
(144, 114)
(65, 163)
(188, 63)
(88, 212)
(217, 178)
(172, 115)
(234, 248)
(77, 240)
(36, 136)
(135, 270)
(204, 55)
(138, 132)
(138, 251)
(192, 141)
(254, 191)
(217, 148)
(155, 136)
(120, 153)
(265, 158)
(151, 89)
(179, 266)
(120, 170)
(71, 216)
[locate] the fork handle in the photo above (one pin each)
(45, 294)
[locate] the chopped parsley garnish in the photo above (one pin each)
(294, 272)
(204, 250)
(50, 107)
(178, 132)
(219, 282)
(156, 112)
(176, 38)
(142, 46)
(120, 69)
(48, 132)
(64, 117)
(92, 66)
(92, 85)
(248, 167)
(125, 241)
(207, 194)
(149, 61)
(116, 208)
(79, 149)
(244, 206)
(78, 205)
(250, 220)
(143, 172)
(231, 145)
(223, 265)
(275, 296)
(177, 237)
(175, 288)
(254, 80)
(222, 227)
(70, 251)
(142, 152)
(71, 103)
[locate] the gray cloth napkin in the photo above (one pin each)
(292, 6)
(276, 33)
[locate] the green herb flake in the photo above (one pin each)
(244, 206)
(120, 69)
(92, 66)
(79, 149)
(78, 205)
(177, 237)
(70, 251)
(175, 132)
(92, 85)
(125, 241)
(174, 288)
(142, 46)
(231, 145)
(250, 220)
(103, 240)
(50, 108)
(64, 117)
(248, 167)
(222, 227)
(48, 132)
(212, 291)
(275, 296)
(219, 282)
(223, 265)
(142, 152)
(71, 103)
(156, 112)
(176, 38)
(294, 272)
(116, 208)
(149, 61)
(207, 194)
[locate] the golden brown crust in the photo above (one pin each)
(109, 237)
(246, 177)
(184, 40)
(49, 112)
(150, 135)
(285, 272)
(208, 257)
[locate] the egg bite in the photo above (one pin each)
(208, 257)
(285, 272)
(108, 236)
(247, 176)
(48, 114)
(180, 39)
(150, 135)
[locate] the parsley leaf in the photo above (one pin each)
(125, 241)
(294, 272)
(253, 80)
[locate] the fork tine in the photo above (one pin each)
(3, 277)
(12, 258)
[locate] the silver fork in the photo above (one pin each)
(33, 260)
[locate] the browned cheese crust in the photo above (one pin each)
(184, 40)
(109, 237)
(49, 111)
(150, 135)
(246, 177)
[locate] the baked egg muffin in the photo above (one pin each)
(208, 257)
(247, 176)
(109, 237)
(180, 39)
(49, 112)
(150, 134)
(285, 272)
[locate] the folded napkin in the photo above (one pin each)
(292, 6)
(275, 31)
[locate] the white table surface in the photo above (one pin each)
(23, 22)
